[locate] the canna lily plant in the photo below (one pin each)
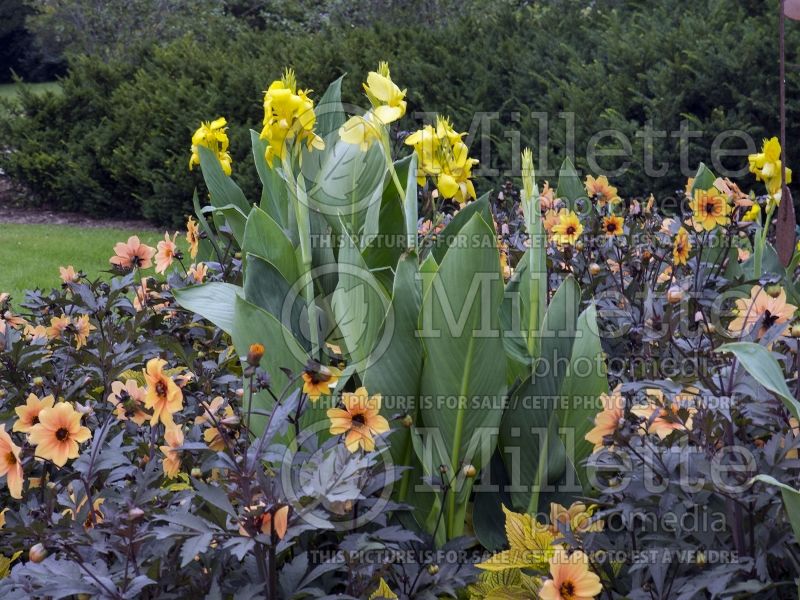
(343, 296)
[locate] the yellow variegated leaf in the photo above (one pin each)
(5, 563)
(510, 584)
(384, 592)
(137, 376)
(518, 528)
(507, 559)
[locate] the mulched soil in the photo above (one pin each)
(11, 212)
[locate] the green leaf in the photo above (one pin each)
(444, 239)
(222, 188)
(528, 422)
(394, 371)
(570, 186)
(265, 238)
(490, 495)
(582, 386)
(212, 301)
(464, 373)
(770, 263)
(274, 195)
(252, 325)
(703, 180)
(342, 182)
(329, 111)
(235, 218)
(384, 250)
(759, 362)
(359, 304)
(211, 236)
(427, 271)
(791, 500)
(265, 286)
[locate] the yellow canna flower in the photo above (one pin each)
(212, 136)
(442, 154)
(752, 215)
(388, 100)
(288, 117)
(766, 166)
(361, 131)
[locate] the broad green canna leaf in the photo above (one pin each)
(265, 238)
(569, 184)
(759, 362)
(213, 301)
(463, 380)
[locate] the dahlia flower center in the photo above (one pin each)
(62, 434)
(567, 590)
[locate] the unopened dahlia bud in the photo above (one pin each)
(254, 355)
(37, 553)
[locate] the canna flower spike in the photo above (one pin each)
(214, 137)
(766, 166)
(444, 156)
(388, 100)
(288, 118)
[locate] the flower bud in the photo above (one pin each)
(407, 421)
(674, 294)
(254, 354)
(433, 569)
(773, 290)
(795, 331)
(197, 472)
(38, 381)
(239, 392)
(469, 471)
(135, 513)
(37, 553)
(594, 269)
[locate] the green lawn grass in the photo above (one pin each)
(31, 254)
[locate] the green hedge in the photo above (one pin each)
(116, 141)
